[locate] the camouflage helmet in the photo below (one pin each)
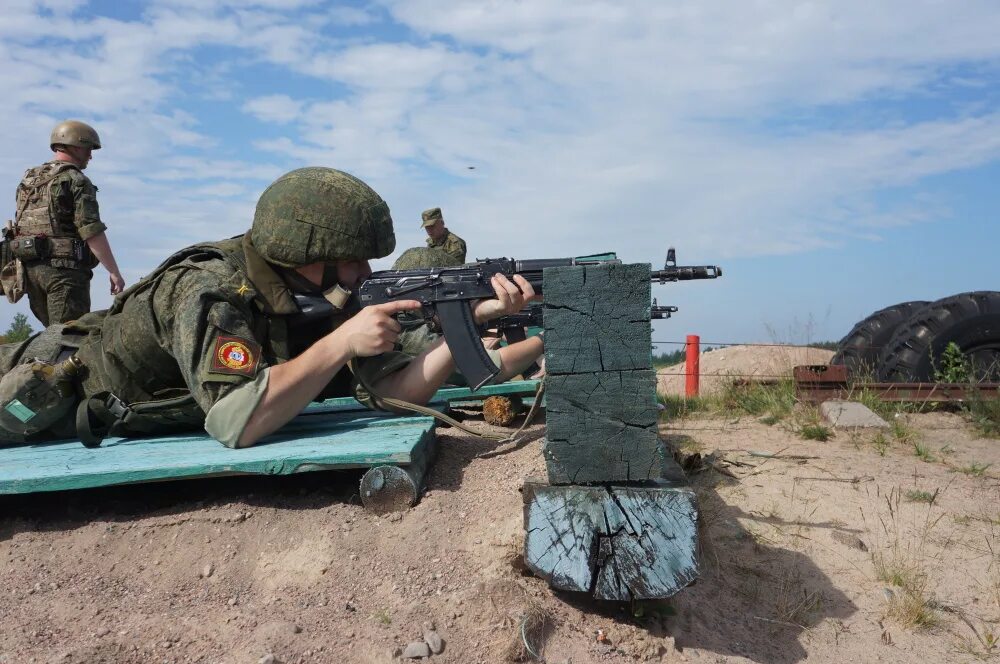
(421, 257)
(320, 214)
(74, 132)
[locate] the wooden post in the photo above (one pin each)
(693, 370)
(606, 522)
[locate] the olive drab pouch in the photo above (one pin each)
(36, 395)
(30, 248)
(12, 280)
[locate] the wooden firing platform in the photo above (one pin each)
(333, 434)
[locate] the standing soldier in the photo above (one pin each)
(58, 235)
(440, 237)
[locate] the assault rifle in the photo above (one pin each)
(447, 295)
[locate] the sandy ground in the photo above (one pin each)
(237, 569)
(718, 367)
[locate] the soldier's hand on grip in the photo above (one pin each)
(373, 330)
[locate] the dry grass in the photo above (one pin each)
(899, 559)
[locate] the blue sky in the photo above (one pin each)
(834, 158)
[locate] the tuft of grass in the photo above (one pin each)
(815, 431)
(911, 607)
(918, 496)
(922, 452)
(902, 432)
(770, 420)
(975, 469)
(880, 443)
(984, 413)
(678, 406)
(382, 616)
(760, 400)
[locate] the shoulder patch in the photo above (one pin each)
(234, 355)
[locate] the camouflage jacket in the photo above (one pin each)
(450, 243)
(207, 321)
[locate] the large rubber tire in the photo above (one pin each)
(970, 320)
(861, 348)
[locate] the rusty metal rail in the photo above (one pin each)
(817, 383)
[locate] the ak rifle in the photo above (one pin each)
(447, 296)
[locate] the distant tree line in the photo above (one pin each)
(19, 330)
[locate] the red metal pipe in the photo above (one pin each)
(692, 372)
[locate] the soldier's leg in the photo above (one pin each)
(68, 293)
(46, 346)
(35, 277)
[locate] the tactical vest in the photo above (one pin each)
(42, 230)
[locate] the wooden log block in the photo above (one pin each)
(388, 488)
(613, 542)
(602, 427)
(597, 318)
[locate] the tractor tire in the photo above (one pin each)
(970, 320)
(859, 351)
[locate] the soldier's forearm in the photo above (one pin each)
(102, 249)
(292, 385)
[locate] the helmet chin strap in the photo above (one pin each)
(329, 287)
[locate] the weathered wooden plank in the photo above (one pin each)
(309, 442)
(614, 542)
(602, 427)
(597, 318)
(445, 395)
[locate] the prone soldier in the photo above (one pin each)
(211, 338)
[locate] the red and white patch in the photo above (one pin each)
(235, 356)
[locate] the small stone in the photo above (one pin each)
(268, 659)
(102, 631)
(434, 641)
(232, 601)
(395, 652)
(296, 629)
(207, 570)
(417, 650)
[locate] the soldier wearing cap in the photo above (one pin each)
(58, 234)
(214, 337)
(438, 236)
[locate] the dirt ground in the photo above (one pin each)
(240, 569)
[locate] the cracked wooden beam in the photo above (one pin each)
(614, 542)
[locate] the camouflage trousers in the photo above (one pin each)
(57, 294)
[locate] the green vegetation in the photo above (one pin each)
(974, 469)
(917, 496)
(984, 413)
(19, 330)
(776, 401)
(815, 431)
(880, 443)
(952, 366)
(922, 452)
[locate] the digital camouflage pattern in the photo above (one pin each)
(185, 328)
(57, 294)
(422, 257)
(451, 244)
(57, 200)
(430, 217)
(321, 215)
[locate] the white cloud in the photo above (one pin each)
(729, 129)
(274, 108)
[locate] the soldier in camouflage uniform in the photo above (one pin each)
(58, 234)
(439, 237)
(212, 337)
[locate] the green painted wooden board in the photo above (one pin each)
(446, 395)
(320, 441)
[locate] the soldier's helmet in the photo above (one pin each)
(422, 257)
(74, 132)
(321, 215)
